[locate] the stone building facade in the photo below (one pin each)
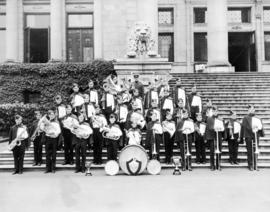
(190, 33)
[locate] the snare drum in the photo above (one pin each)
(111, 168)
(133, 159)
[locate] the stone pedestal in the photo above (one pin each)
(148, 69)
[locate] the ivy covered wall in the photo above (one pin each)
(46, 80)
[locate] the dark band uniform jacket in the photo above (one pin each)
(13, 134)
(246, 128)
(210, 133)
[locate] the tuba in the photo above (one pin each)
(51, 129)
(113, 133)
(110, 86)
(82, 131)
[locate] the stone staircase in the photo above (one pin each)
(227, 91)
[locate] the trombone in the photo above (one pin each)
(256, 152)
(187, 152)
(217, 151)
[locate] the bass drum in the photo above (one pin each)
(133, 159)
(111, 168)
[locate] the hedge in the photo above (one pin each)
(47, 80)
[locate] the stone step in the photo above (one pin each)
(60, 160)
(264, 151)
(225, 165)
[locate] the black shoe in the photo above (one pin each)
(65, 163)
(47, 171)
(53, 171)
(39, 164)
(190, 169)
(212, 168)
(236, 163)
(34, 164)
(83, 171)
(203, 162)
(232, 163)
(15, 173)
(251, 169)
(77, 171)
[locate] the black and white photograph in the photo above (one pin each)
(135, 105)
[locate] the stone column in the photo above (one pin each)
(147, 12)
(12, 30)
(98, 37)
(56, 30)
(259, 34)
(217, 37)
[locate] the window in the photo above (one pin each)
(2, 37)
(36, 38)
(239, 15)
(200, 15)
(266, 15)
(80, 38)
(31, 97)
(200, 47)
(165, 16)
(267, 45)
(165, 46)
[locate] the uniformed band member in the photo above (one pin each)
(195, 103)
(251, 131)
(112, 134)
(68, 147)
(184, 137)
(18, 136)
(81, 132)
(36, 138)
(214, 134)
(199, 139)
(153, 135)
(168, 126)
(52, 130)
(233, 135)
(138, 85)
(98, 122)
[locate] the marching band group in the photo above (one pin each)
(115, 116)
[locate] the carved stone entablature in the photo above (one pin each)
(140, 41)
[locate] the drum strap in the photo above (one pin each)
(139, 166)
